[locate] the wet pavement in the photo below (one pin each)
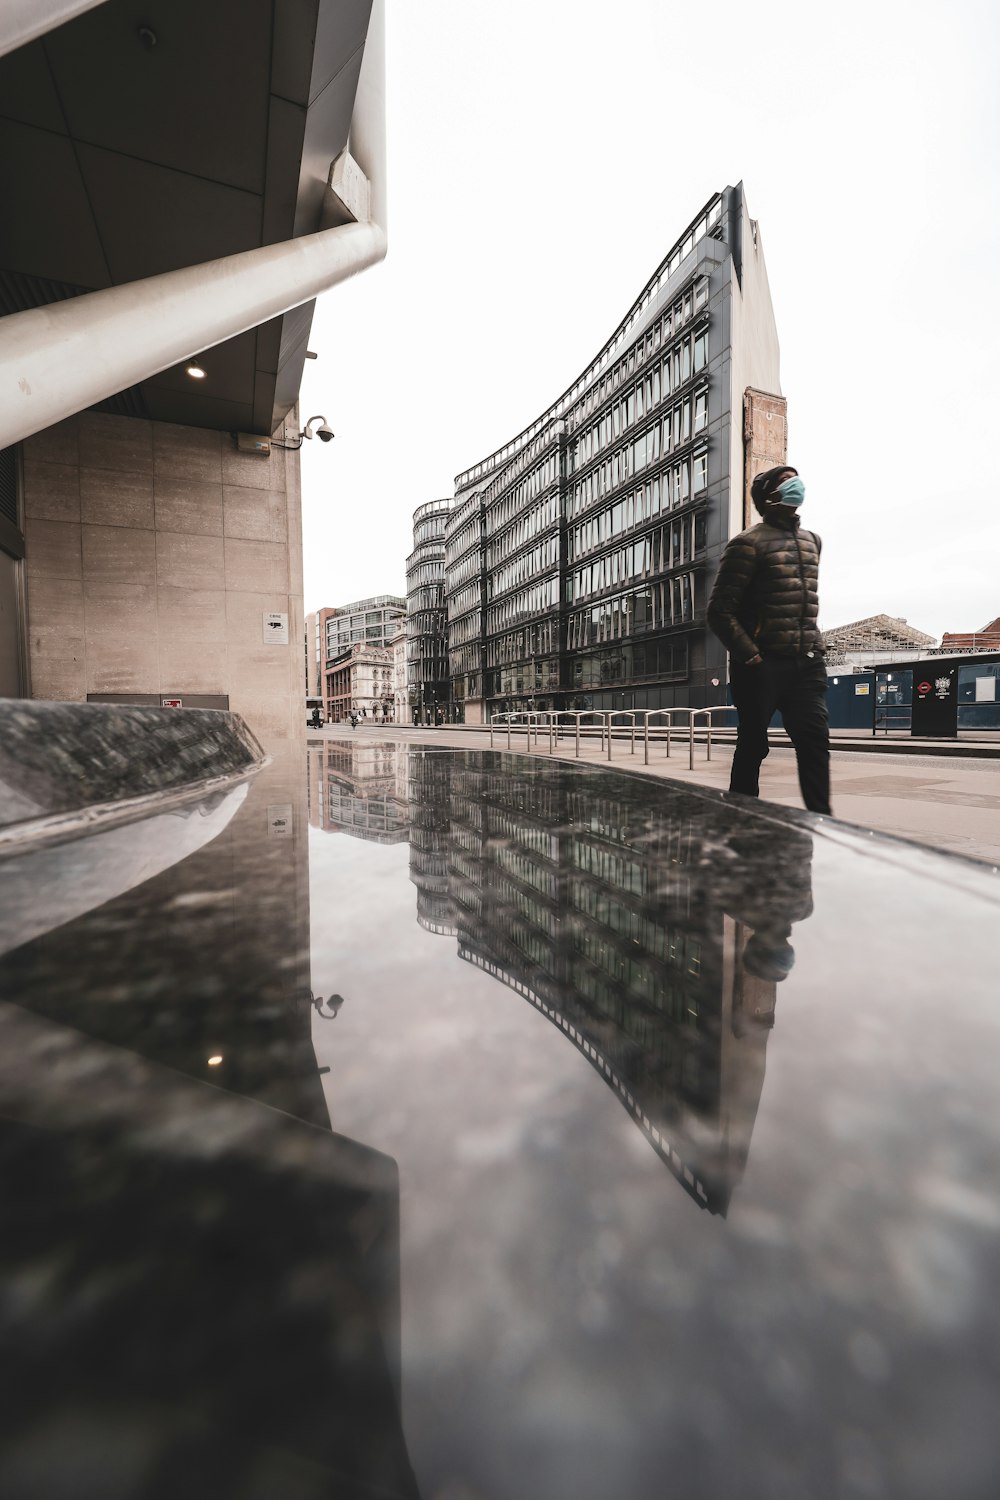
(662, 1159)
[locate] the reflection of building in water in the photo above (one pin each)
(359, 788)
(167, 1138)
(608, 921)
(430, 778)
(210, 958)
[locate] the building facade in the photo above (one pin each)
(316, 652)
(360, 681)
(331, 633)
(374, 621)
(400, 696)
(428, 679)
(986, 639)
(579, 557)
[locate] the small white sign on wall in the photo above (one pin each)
(275, 630)
(279, 820)
(986, 690)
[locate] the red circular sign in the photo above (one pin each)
(923, 687)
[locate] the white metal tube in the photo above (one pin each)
(58, 359)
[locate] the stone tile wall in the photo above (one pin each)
(152, 553)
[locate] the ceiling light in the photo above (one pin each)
(213, 1062)
(195, 370)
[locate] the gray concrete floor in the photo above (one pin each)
(947, 802)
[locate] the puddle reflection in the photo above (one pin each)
(649, 940)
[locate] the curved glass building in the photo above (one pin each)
(579, 557)
(428, 682)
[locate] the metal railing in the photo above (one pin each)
(530, 721)
(604, 720)
(693, 714)
(556, 718)
(621, 713)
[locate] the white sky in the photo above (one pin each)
(544, 155)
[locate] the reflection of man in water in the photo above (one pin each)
(764, 912)
(762, 888)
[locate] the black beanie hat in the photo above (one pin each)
(764, 484)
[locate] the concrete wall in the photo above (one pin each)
(153, 552)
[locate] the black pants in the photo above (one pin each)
(796, 688)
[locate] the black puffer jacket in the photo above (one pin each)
(766, 595)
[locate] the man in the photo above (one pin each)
(764, 609)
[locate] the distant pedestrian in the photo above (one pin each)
(439, 717)
(764, 608)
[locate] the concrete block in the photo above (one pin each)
(270, 717)
(59, 677)
(189, 562)
(117, 666)
(187, 453)
(192, 667)
(51, 491)
(110, 442)
(56, 608)
(245, 612)
(250, 470)
(193, 506)
(118, 554)
(261, 567)
(114, 497)
(55, 445)
(52, 549)
(123, 610)
(255, 515)
(185, 614)
(259, 669)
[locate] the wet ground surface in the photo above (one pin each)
(663, 1149)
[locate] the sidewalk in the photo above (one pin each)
(947, 802)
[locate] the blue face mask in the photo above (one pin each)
(792, 492)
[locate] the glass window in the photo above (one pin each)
(701, 351)
(700, 477)
(700, 411)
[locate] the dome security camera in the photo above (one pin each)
(323, 431)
